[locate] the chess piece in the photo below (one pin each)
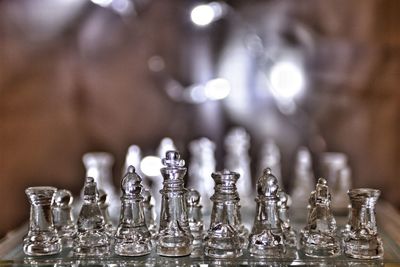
(332, 163)
(132, 237)
(42, 238)
(319, 237)
(271, 157)
(195, 217)
(237, 143)
(92, 238)
(363, 240)
(303, 183)
(202, 164)
(149, 213)
(289, 234)
(340, 200)
(133, 157)
(223, 238)
(174, 237)
(99, 166)
(62, 217)
(267, 238)
(103, 204)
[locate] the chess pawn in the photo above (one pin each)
(42, 238)
(303, 183)
(319, 237)
(195, 217)
(133, 157)
(132, 237)
(103, 204)
(283, 209)
(92, 238)
(340, 201)
(267, 238)
(149, 213)
(62, 217)
(223, 238)
(362, 240)
(174, 237)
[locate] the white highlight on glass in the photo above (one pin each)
(150, 166)
(287, 79)
(203, 14)
(217, 89)
(102, 3)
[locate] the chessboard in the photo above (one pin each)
(388, 219)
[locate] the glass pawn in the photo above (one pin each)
(62, 217)
(92, 238)
(319, 237)
(103, 204)
(288, 233)
(362, 240)
(195, 217)
(271, 156)
(340, 201)
(42, 238)
(149, 213)
(267, 238)
(174, 237)
(223, 238)
(132, 237)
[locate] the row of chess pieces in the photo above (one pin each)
(180, 229)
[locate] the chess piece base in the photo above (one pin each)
(365, 248)
(47, 246)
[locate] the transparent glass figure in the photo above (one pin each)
(340, 201)
(104, 206)
(174, 237)
(319, 237)
(223, 238)
(99, 166)
(195, 217)
(271, 156)
(132, 237)
(237, 144)
(363, 240)
(92, 238)
(63, 218)
(288, 233)
(149, 213)
(42, 238)
(266, 239)
(304, 180)
(202, 164)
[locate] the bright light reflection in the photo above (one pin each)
(217, 89)
(150, 166)
(202, 15)
(287, 79)
(102, 3)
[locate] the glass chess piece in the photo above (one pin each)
(266, 239)
(343, 183)
(174, 237)
(290, 235)
(104, 206)
(223, 239)
(271, 156)
(319, 237)
(362, 240)
(149, 213)
(133, 157)
(62, 217)
(237, 144)
(202, 164)
(331, 164)
(195, 219)
(132, 237)
(42, 238)
(304, 180)
(92, 238)
(99, 166)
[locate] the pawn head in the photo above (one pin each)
(62, 198)
(131, 183)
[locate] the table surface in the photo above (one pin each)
(388, 219)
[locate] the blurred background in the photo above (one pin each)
(79, 76)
